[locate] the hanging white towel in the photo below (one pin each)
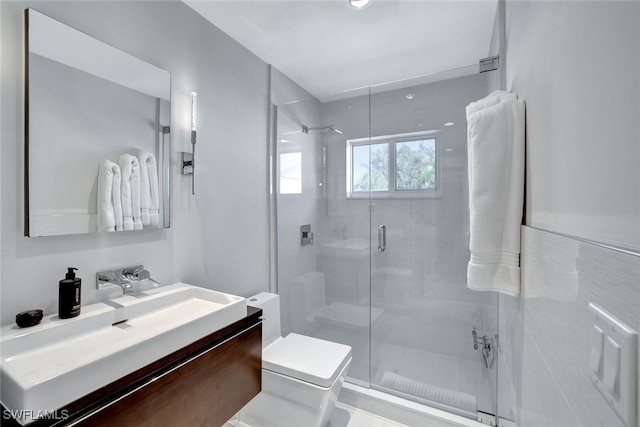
(496, 195)
(490, 100)
(149, 201)
(130, 192)
(109, 205)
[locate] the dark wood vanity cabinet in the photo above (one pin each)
(206, 390)
(203, 384)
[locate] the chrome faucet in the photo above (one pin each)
(126, 286)
(123, 277)
(113, 277)
(138, 274)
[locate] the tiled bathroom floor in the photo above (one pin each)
(347, 416)
(343, 416)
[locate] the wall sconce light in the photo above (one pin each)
(188, 159)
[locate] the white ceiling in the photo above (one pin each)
(327, 47)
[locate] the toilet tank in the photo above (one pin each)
(270, 305)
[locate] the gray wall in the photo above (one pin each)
(576, 65)
(219, 237)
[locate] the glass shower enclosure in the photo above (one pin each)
(370, 207)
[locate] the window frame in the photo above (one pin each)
(392, 192)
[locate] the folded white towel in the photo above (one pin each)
(496, 196)
(149, 200)
(130, 192)
(488, 101)
(109, 205)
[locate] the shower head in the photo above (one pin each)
(328, 129)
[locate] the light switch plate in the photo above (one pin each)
(624, 401)
(611, 369)
(597, 351)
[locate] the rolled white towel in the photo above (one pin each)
(145, 193)
(109, 206)
(117, 199)
(130, 192)
(154, 207)
(149, 201)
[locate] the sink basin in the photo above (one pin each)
(47, 366)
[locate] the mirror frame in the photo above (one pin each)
(163, 142)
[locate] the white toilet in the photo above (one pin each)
(301, 376)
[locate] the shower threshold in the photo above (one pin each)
(399, 409)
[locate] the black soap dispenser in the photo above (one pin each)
(69, 295)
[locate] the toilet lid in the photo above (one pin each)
(308, 359)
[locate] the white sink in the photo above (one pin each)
(44, 367)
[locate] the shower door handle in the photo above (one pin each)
(382, 238)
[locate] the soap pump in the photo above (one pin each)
(69, 295)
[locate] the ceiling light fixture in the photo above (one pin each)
(410, 96)
(449, 124)
(358, 4)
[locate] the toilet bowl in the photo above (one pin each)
(301, 376)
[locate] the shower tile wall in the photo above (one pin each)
(544, 365)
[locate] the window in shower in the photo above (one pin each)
(291, 173)
(415, 165)
(395, 166)
(370, 167)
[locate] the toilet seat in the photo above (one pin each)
(307, 359)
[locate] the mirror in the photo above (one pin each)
(96, 136)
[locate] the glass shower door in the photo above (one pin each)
(423, 317)
(323, 279)
(344, 250)
(379, 181)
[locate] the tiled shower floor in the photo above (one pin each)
(440, 370)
